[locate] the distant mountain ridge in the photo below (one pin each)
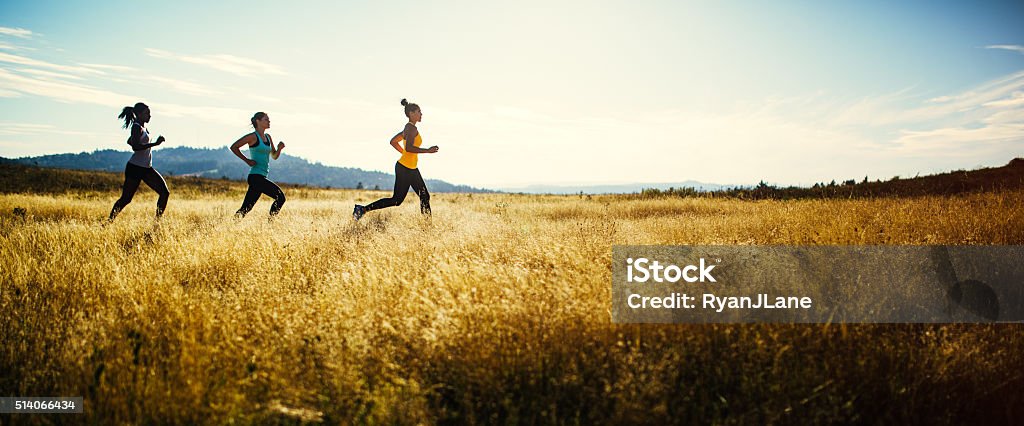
(624, 188)
(220, 163)
(1008, 177)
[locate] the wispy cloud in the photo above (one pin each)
(13, 48)
(45, 71)
(955, 142)
(111, 68)
(15, 32)
(903, 109)
(75, 92)
(23, 129)
(62, 91)
(977, 96)
(1015, 100)
(49, 74)
(1013, 47)
(86, 83)
(24, 60)
(236, 65)
(987, 119)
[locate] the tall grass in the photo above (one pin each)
(496, 310)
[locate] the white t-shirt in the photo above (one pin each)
(143, 158)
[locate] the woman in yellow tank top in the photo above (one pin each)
(407, 173)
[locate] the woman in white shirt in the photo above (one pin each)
(140, 166)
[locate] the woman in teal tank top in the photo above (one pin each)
(261, 149)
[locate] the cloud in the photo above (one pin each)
(1013, 47)
(72, 72)
(990, 112)
(902, 110)
(22, 129)
(112, 68)
(15, 32)
(49, 74)
(83, 84)
(1016, 100)
(986, 120)
(791, 139)
(13, 48)
(60, 90)
(74, 92)
(22, 60)
(954, 142)
(986, 92)
(236, 65)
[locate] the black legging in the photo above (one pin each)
(405, 178)
(258, 185)
(132, 176)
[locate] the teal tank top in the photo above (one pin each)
(261, 155)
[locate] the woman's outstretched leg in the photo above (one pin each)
(402, 183)
(127, 193)
(251, 196)
(259, 185)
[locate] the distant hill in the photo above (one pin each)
(1010, 176)
(221, 163)
(615, 188)
(218, 164)
(19, 178)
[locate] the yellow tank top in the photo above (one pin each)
(410, 159)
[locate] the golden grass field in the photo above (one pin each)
(496, 310)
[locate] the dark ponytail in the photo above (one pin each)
(130, 114)
(255, 117)
(409, 107)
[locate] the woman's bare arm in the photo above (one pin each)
(244, 140)
(275, 153)
(410, 134)
(395, 142)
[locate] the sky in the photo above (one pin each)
(521, 93)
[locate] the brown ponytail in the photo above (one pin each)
(129, 114)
